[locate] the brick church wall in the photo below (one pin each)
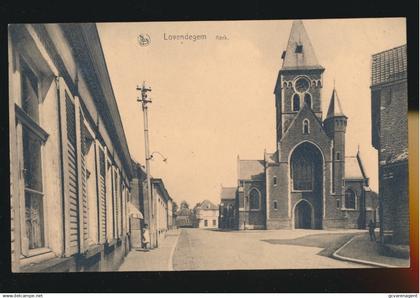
(251, 218)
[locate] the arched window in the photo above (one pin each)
(308, 100)
(275, 205)
(254, 199)
(350, 199)
(302, 169)
(296, 102)
(305, 127)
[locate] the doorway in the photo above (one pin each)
(303, 215)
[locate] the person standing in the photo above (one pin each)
(372, 230)
(145, 237)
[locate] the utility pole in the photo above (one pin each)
(144, 100)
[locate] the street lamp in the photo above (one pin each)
(161, 155)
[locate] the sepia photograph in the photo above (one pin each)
(208, 145)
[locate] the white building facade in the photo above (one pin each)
(70, 165)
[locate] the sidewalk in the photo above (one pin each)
(158, 259)
(361, 250)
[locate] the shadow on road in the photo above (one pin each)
(330, 242)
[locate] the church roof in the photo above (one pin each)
(206, 204)
(354, 168)
(299, 53)
(251, 169)
(334, 109)
(228, 193)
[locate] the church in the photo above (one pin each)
(309, 182)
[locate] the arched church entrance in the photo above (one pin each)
(306, 173)
(303, 215)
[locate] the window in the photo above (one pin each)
(275, 205)
(337, 202)
(254, 199)
(214, 222)
(308, 100)
(302, 171)
(31, 138)
(305, 126)
(387, 96)
(274, 180)
(350, 199)
(337, 156)
(299, 48)
(205, 223)
(32, 173)
(296, 102)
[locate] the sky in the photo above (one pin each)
(213, 98)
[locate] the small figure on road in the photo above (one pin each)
(145, 240)
(372, 230)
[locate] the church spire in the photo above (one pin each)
(334, 109)
(299, 53)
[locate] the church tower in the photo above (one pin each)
(299, 81)
(335, 126)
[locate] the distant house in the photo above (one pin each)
(161, 198)
(184, 218)
(206, 215)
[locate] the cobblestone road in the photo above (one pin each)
(199, 249)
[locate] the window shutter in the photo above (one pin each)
(83, 203)
(102, 196)
(69, 168)
(117, 203)
(109, 198)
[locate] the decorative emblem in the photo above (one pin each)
(144, 40)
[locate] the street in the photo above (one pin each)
(211, 249)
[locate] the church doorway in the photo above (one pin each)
(303, 215)
(306, 173)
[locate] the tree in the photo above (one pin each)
(174, 207)
(184, 205)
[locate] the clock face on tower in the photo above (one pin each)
(302, 85)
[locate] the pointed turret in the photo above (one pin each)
(335, 126)
(334, 109)
(299, 53)
(335, 121)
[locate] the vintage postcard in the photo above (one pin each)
(208, 145)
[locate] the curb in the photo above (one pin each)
(171, 255)
(337, 256)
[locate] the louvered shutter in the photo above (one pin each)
(69, 168)
(102, 196)
(83, 203)
(116, 200)
(109, 199)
